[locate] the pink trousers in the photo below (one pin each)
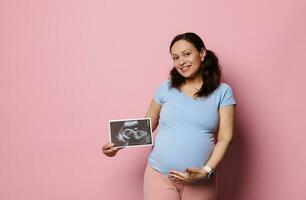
(157, 186)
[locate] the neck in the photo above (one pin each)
(196, 81)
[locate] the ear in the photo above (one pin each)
(203, 53)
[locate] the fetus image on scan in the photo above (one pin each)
(132, 133)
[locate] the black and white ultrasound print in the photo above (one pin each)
(131, 132)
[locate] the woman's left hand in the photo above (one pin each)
(189, 176)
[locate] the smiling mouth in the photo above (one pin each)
(184, 68)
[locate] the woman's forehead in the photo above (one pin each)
(181, 46)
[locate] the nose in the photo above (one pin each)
(181, 61)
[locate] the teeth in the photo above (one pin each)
(184, 67)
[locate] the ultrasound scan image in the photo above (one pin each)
(131, 132)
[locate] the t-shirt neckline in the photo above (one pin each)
(187, 96)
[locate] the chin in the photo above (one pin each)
(187, 75)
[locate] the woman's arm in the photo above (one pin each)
(224, 135)
(153, 113)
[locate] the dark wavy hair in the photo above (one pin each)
(210, 68)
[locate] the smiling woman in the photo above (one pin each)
(192, 60)
(191, 108)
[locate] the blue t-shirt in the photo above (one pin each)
(185, 136)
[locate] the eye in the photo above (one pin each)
(187, 54)
(174, 58)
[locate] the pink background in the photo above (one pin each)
(68, 66)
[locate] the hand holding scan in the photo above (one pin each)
(110, 150)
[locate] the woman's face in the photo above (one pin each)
(186, 58)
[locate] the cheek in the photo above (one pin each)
(176, 66)
(196, 62)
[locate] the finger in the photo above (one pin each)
(192, 170)
(178, 180)
(176, 176)
(111, 150)
(111, 154)
(115, 148)
(185, 180)
(180, 174)
(108, 145)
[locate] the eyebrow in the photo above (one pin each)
(181, 52)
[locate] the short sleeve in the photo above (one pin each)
(160, 92)
(227, 96)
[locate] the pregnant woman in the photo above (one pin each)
(195, 114)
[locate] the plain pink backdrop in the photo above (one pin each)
(67, 67)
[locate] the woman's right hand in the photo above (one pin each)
(109, 149)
